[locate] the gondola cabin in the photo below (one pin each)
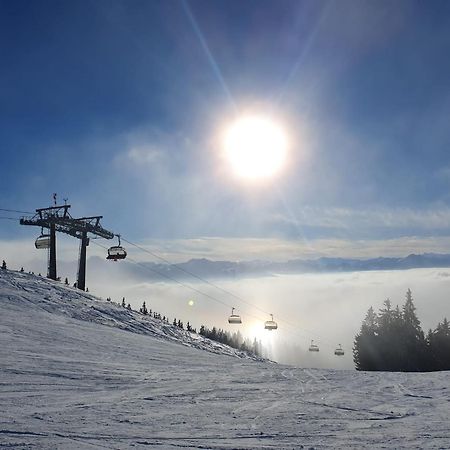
(339, 351)
(43, 241)
(234, 318)
(117, 252)
(270, 324)
(313, 347)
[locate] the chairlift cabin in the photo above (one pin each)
(313, 347)
(116, 252)
(42, 242)
(339, 351)
(270, 324)
(234, 318)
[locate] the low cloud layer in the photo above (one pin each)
(328, 308)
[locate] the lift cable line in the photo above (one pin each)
(211, 297)
(196, 276)
(237, 297)
(58, 219)
(83, 250)
(16, 211)
(204, 281)
(198, 291)
(187, 286)
(218, 287)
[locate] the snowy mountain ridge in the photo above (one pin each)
(210, 269)
(55, 298)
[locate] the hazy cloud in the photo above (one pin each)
(363, 221)
(143, 155)
(328, 308)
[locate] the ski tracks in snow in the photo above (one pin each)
(67, 381)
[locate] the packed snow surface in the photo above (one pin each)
(80, 373)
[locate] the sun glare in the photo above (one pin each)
(256, 147)
(256, 330)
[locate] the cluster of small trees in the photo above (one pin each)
(145, 311)
(234, 340)
(393, 340)
(22, 270)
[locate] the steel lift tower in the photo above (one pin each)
(57, 219)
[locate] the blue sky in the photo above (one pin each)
(117, 105)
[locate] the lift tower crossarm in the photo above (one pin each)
(52, 218)
(64, 223)
(92, 225)
(58, 219)
(53, 211)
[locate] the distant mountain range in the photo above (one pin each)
(205, 268)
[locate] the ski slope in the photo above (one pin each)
(80, 373)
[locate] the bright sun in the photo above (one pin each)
(256, 147)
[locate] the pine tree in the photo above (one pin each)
(143, 309)
(129, 307)
(389, 348)
(66, 281)
(255, 347)
(409, 314)
(365, 349)
(237, 339)
(4, 265)
(386, 315)
(430, 363)
(123, 302)
(394, 340)
(413, 337)
(21, 270)
(440, 346)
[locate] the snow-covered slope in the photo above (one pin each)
(68, 381)
(27, 290)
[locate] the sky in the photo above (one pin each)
(120, 107)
